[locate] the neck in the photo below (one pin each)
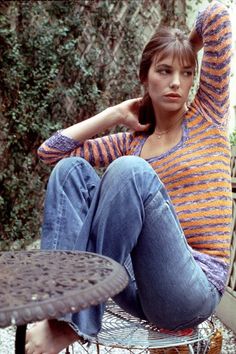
(165, 119)
(170, 123)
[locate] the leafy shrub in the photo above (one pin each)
(61, 61)
(58, 65)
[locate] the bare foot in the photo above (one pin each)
(49, 337)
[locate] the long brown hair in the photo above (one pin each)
(165, 42)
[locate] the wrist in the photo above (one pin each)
(115, 115)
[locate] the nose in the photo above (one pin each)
(175, 80)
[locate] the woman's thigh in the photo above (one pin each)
(174, 291)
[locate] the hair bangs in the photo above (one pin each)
(183, 53)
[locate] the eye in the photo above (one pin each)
(188, 73)
(164, 71)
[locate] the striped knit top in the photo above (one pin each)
(195, 172)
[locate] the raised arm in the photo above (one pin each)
(196, 40)
(213, 32)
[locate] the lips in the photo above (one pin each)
(173, 95)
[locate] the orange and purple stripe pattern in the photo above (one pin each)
(196, 172)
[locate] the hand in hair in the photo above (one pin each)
(129, 111)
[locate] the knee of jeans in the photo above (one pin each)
(135, 172)
(63, 167)
(125, 164)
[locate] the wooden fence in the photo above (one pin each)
(226, 311)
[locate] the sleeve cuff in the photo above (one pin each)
(62, 142)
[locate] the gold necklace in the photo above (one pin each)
(163, 132)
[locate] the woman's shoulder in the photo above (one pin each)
(202, 125)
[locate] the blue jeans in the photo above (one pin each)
(128, 216)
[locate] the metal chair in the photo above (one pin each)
(127, 333)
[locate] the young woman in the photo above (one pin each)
(163, 206)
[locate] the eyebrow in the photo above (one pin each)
(166, 66)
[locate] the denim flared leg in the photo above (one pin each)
(70, 191)
(128, 214)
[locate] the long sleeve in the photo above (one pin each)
(98, 152)
(214, 27)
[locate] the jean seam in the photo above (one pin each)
(74, 166)
(123, 187)
(62, 199)
(174, 215)
(59, 218)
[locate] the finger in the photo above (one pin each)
(28, 349)
(135, 103)
(137, 99)
(143, 127)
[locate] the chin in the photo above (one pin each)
(169, 106)
(173, 107)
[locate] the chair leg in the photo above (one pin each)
(190, 348)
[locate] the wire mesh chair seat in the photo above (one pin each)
(127, 333)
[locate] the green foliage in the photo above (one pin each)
(232, 138)
(57, 66)
(61, 61)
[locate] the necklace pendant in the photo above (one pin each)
(158, 136)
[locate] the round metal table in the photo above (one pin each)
(37, 285)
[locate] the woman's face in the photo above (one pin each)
(168, 83)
